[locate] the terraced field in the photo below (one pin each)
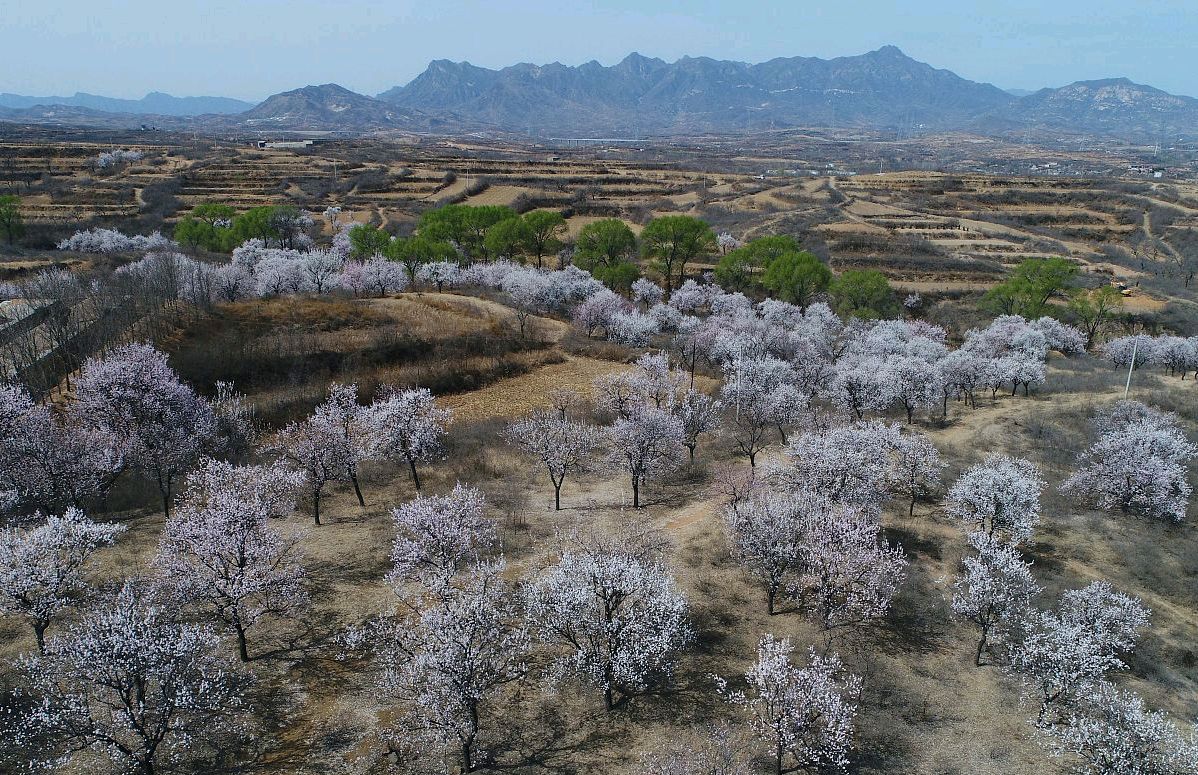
(924, 230)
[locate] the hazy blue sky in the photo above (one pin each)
(250, 49)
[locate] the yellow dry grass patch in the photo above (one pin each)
(575, 224)
(498, 195)
(521, 395)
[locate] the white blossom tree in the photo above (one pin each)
(861, 385)
(714, 749)
(350, 436)
(1000, 497)
(995, 589)
(407, 425)
(1139, 464)
(621, 619)
(126, 685)
(699, 414)
(451, 660)
(41, 567)
(765, 532)
(917, 469)
(620, 394)
(915, 384)
(659, 383)
(645, 445)
(435, 536)
(306, 445)
(846, 464)
(804, 714)
(1108, 731)
(647, 293)
(849, 573)
(441, 274)
(751, 395)
(381, 276)
(321, 270)
(220, 551)
(1069, 650)
(159, 424)
(563, 446)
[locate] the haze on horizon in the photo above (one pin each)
(254, 48)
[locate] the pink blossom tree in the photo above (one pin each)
(435, 536)
(1000, 497)
(804, 714)
(41, 567)
(49, 461)
(645, 445)
(622, 620)
(407, 425)
(306, 446)
(126, 684)
(562, 446)
(995, 590)
(159, 424)
(220, 552)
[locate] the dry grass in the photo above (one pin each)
(926, 708)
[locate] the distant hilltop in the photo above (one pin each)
(643, 96)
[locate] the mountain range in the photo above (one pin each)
(154, 103)
(642, 96)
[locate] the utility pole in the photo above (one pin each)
(1135, 346)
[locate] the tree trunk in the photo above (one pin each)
(316, 505)
(977, 659)
(165, 488)
(636, 493)
(557, 496)
(39, 629)
(242, 648)
(607, 699)
(357, 490)
(415, 476)
(770, 594)
(911, 511)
